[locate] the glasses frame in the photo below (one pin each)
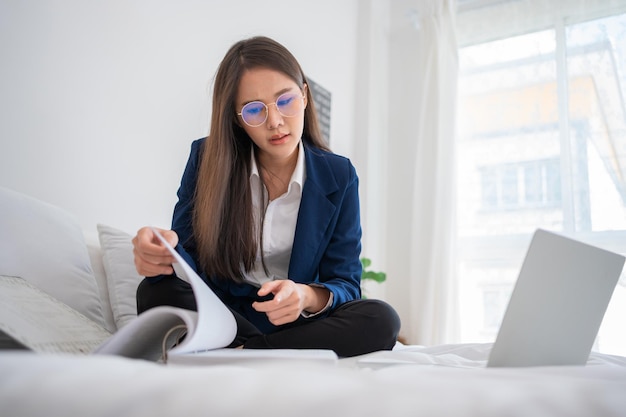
(267, 108)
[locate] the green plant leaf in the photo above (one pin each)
(370, 275)
(375, 276)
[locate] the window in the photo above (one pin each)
(520, 185)
(541, 144)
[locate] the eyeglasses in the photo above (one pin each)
(255, 113)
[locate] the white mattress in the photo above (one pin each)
(437, 381)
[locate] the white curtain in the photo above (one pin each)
(433, 226)
(422, 114)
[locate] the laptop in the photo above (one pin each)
(557, 304)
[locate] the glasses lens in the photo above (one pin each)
(254, 113)
(289, 104)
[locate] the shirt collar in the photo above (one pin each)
(297, 177)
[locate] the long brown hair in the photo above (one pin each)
(223, 218)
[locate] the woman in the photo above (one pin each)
(269, 217)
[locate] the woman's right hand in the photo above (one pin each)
(152, 258)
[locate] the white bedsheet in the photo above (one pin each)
(435, 381)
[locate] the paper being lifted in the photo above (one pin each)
(154, 333)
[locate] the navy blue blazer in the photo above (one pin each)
(327, 242)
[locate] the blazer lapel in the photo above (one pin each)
(316, 212)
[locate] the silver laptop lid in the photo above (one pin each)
(558, 303)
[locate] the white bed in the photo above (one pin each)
(443, 381)
(44, 245)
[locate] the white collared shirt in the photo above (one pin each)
(279, 227)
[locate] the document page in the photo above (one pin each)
(216, 327)
(164, 331)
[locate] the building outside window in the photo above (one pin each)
(541, 144)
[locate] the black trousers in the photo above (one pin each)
(354, 328)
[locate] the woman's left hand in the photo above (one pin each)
(290, 299)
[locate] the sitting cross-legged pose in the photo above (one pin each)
(269, 217)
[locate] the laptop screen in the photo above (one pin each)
(558, 303)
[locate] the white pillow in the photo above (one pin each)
(45, 245)
(122, 277)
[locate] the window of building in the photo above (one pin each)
(520, 185)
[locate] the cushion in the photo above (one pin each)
(122, 277)
(45, 245)
(97, 265)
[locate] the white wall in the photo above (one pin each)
(100, 100)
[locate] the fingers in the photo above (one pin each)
(278, 318)
(285, 307)
(170, 236)
(270, 287)
(151, 256)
